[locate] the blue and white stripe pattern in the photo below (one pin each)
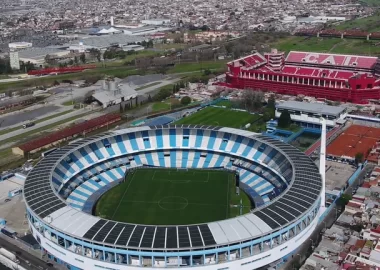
(179, 148)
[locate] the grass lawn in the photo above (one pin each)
(160, 106)
(357, 46)
(169, 46)
(171, 197)
(371, 3)
(307, 44)
(225, 103)
(370, 23)
(147, 85)
(331, 45)
(219, 117)
(189, 67)
(68, 103)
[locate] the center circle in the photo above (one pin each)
(173, 203)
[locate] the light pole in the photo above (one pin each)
(312, 244)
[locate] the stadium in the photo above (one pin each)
(283, 185)
(346, 78)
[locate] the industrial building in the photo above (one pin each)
(37, 56)
(144, 30)
(104, 42)
(347, 78)
(114, 92)
(309, 114)
(156, 21)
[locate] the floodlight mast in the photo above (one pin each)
(322, 161)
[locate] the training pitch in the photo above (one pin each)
(173, 197)
(219, 117)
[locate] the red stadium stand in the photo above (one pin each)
(345, 78)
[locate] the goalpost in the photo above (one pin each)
(182, 169)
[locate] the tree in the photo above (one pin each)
(271, 102)
(285, 120)
(359, 157)
(267, 116)
(252, 100)
(83, 58)
(162, 94)
(143, 63)
(207, 72)
(76, 61)
(95, 53)
(185, 100)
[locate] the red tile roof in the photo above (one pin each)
(70, 131)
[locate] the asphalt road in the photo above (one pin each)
(42, 124)
(24, 256)
(25, 115)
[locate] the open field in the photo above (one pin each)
(308, 44)
(120, 62)
(357, 46)
(371, 3)
(160, 106)
(219, 117)
(190, 67)
(370, 23)
(114, 70)
(328, 45)
(171, 196)
(169, 46)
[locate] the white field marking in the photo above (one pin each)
(125, 192)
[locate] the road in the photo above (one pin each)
(49, 122)
(26, 115)
(24, 255)
(302, 253)
(157, 86)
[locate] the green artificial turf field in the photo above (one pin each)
(219, 117)
(173, 197)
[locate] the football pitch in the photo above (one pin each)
(173, 197)
(214, 116)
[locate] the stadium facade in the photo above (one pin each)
(346, 78)
(284, 184)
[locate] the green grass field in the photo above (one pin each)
(171, 196)
(328, 45)
(370, 23)
(219, 117)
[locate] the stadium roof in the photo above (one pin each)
(68, 132)
(317, 108)
(294, 203)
